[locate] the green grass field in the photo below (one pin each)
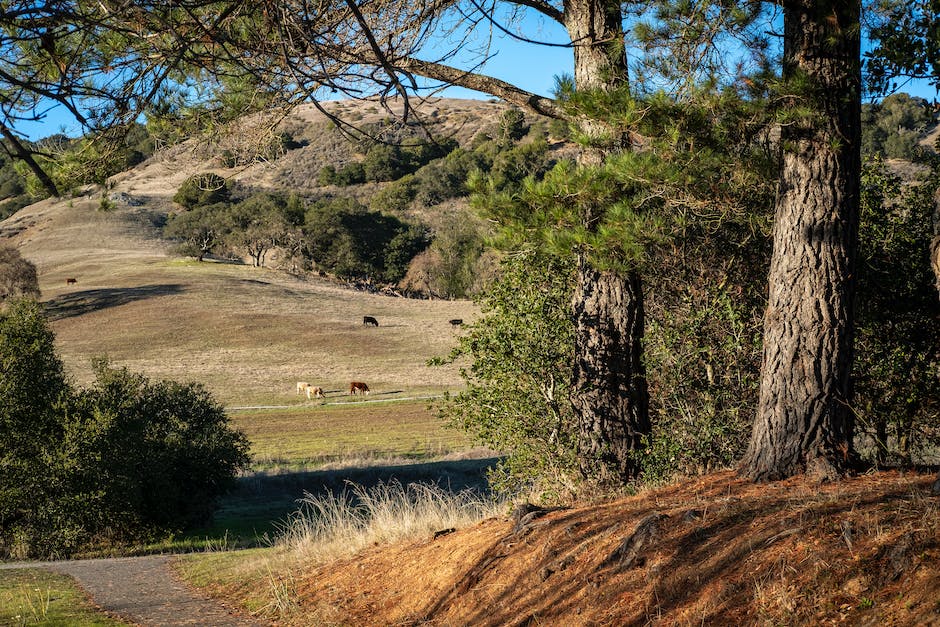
(305, 438)
(314, 449)
(40, 597)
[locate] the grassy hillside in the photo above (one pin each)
(249, 334)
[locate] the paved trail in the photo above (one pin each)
(143, 590)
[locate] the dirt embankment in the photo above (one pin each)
(715, 550)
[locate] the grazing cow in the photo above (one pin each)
(456, 322)
(370, 321)
(302, 386)
(314, 392)
(358, 387)
(70, 281)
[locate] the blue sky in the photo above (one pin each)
(528, 66)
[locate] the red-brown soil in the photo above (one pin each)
(721, 551)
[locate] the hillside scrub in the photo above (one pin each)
(124, 460)
(18, 276)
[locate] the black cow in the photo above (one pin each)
(456, 322)
(369, 320)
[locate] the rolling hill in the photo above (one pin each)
(247, 333)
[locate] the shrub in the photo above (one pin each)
(353, 242)
(202, 189)
(165, 450)
(383, 163)
(395, 197)
(516, 399)
(18, 276)
(123, 460)
(897, 362)
(893, 127)
(512, 127)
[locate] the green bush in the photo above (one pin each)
(897, 363)
(18, 276)
(512, 127)
(395, 197)
(121, 461)
(516, 397)
(383, 162)
(202, 189)
(349, 240)
(893, 127)
(165, 450)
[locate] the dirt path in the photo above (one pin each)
(144, 590)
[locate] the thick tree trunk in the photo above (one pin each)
(611, 399)
(609, 392)
(804, 421)
(935, 259)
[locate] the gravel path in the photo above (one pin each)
(144, 590)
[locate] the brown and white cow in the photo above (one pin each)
(358, 387)
(314, 392)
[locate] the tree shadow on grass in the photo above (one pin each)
(87, 301)
(260, 505)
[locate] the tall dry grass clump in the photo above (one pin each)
(334, 525)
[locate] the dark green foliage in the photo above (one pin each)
(512, 127)
(200, 230)
(893, 128)
(17, 275)
(397, 196)
(898, 343)
(34, 390)
(202, 189)
(139, 145)
(13, 187)
(705, 305)
(121, 461)
(512, 166)
(516, 399)
(384, 162)
(343, 236)
(350, 174)
(164, 450)
(327, 175)
(446, 178)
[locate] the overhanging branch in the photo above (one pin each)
(542, 7)
(482, 83)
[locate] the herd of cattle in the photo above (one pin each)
(313, 391)
(355, 387)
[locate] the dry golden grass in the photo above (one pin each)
(248, 334)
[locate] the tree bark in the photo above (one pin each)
(804, 421)
(609, 391)
(610, 398)
(935, 259)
